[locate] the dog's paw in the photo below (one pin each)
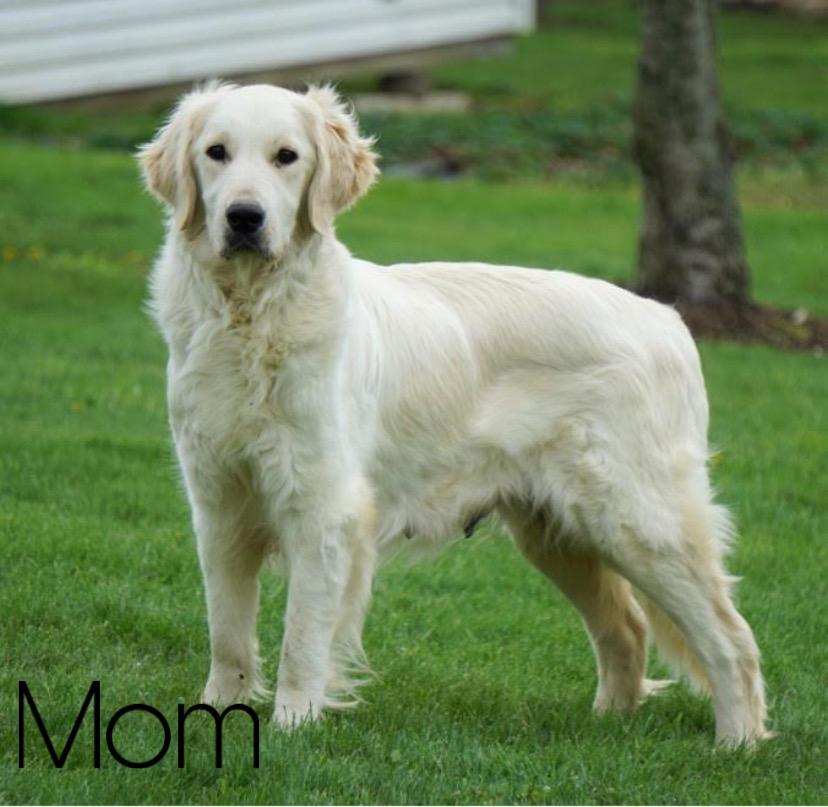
(220, 694)
(651, 687)
(627, 699)
(295, 711)
(228, 687)
(745, 741)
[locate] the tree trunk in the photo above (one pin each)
(691, 248)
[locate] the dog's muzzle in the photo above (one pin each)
(245, 221)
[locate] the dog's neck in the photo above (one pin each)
(249, 279)
(301, 298)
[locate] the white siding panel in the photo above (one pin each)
(74, 15)
(152, 34)
(54, 50)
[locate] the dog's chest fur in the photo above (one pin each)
(250, 357)
(225, 375)
(223, 393)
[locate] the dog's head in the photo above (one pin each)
(246, 170)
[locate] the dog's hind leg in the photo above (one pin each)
(613, 619)
(685, 579)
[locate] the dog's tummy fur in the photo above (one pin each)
(325, 409)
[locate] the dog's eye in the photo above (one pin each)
(286, 156)
(217, 153)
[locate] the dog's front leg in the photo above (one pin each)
(318, 562)
(230, 557)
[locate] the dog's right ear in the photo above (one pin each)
(166, 161)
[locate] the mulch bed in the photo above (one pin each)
(795, 329)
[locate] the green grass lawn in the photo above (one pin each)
(485, 675)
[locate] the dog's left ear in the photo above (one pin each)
(346, 165)
(166, 162)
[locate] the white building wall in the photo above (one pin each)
(51, 49)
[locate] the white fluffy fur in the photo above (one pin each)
(323, 407)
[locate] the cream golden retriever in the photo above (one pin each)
(325, 409)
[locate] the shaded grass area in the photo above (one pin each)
(485, 676)
(584, 55)
(562, 98)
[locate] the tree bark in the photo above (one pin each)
(691, 248)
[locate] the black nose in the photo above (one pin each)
(244, 217)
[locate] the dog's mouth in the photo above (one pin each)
(244, 243)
